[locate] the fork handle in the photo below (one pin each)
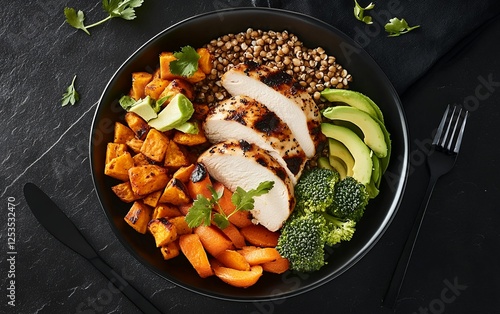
(398, 276)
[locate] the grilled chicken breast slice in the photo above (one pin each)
(242, 164)
(277, 91)
(244, 118)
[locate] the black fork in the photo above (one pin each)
(441, 159)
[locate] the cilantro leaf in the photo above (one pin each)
(359, 12)
(200, 212)
(75, 19)
(397, 27)
(71, 96)
(186, 63)
(124, 9)
(221, 221)
(244, 200)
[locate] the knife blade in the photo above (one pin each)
(52, 218)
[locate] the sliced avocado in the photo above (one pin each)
(384, 162)
(178, 111)
(324, 163)
(372, 132)
(372, 189)
(376, 174)
(353, 99)
(188, 127)
(362, 170)
(338, 165)
(144, 108)
(339, 151)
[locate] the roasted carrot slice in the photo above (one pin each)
(239, 278)
(214, 241)
(258, 235)
(233, 259)
(192, 248)
(278, 266)
(257, 256)
(234, 235)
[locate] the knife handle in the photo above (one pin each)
(121, 284)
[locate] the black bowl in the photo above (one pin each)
(196, 32)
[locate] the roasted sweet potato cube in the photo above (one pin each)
(166, 211)
(152, 198)
(205, 63)
(139, 216)
(122, 133)
(184, 173)
(190, 139)
(155, 88)
(155, 145)
(135, 144)
(163, 231)
(118, 167)
(165, 59)
(197, 76)
(175, 157)
(177, 86)
(137, 124)
(147, 179)
(125, 193)
(114, 150)
(200, 111)
(157, 73)
(175, 193)
(170, 250)
(140, 160)
(181, 225)
(139, 82)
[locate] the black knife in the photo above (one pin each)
(60, 226)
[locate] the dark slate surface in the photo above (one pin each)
(455, 264)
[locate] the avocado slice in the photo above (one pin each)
(178, 111)
(339, 151)
(353, 99)
(144, 108)
(338, 165)
(363, 165)
(324, 163)
(372, 132)
(376, 173)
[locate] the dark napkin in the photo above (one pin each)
(443, 25)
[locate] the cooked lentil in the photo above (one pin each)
(313, 68)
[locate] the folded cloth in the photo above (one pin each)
(404, 59)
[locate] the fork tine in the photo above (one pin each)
(454, 128)
(435, 141)
(461, 133)
(443, 141)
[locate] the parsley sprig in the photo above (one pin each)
(186, 63)
(359, 12)
(201, 211)
(71, 96)
(397, 27)
(124, 9)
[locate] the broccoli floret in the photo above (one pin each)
(350, 200)
(338, 230)
(314, 192)
(302, 241)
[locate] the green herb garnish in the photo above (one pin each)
(359, 12)
(397, 27)
(186, 63)
(201, 211)
(124, 9)
(71, 96)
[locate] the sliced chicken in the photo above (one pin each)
(276, 90)
(241, 164)
(243, 118)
